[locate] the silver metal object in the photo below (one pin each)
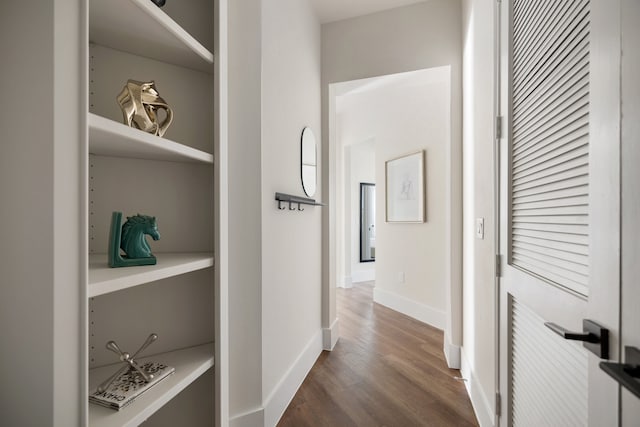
(130, 363)
(140, 103)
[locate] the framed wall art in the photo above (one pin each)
(405, 188)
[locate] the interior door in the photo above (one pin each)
(559, 208)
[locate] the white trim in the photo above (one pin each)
(330, 335)
(248, 419)
(451, 353)
(481, 406)
(363, 276)
(418, 311)
(286, 389)
(345, 282)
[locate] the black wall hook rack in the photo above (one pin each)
(283, 198)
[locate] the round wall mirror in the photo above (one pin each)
(308, 161)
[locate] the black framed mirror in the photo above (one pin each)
(367, 222)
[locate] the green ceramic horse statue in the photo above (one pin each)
(131, 239)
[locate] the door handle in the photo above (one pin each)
(595, 338)
(628, 373)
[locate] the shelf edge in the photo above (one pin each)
(107, 126)
(142, 277)
(176, 29)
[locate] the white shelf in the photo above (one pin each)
(142, 28)
(103, 279)
(190, 364)
(109, 138)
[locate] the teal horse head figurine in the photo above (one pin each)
(133, 242)
(130, 237)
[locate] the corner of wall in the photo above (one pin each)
(483, 409)
(451, 353)
(285, 390)
(330, 336)
(424, 313)
(248, 419)
(275, 405)
(362, 276)
(345, 282)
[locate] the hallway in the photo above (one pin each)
(386, 370)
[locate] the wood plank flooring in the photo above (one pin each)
(386, 370)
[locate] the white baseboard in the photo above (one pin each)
(330, 336)
(248, 419)
(484, 410)
(345, 282)
(451, 354)
(363, 276)
(286, 389)
(418, 311)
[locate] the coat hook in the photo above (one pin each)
(280, 205)
(290, 208)
(300, 208)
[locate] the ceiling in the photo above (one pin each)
(336, 10)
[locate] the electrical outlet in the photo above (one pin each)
(480, 228)
(401, 277)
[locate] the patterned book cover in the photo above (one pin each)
(124, 389)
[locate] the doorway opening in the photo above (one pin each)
(417, 266)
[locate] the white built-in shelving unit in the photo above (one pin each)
(170, 178)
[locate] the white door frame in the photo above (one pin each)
(630, 404)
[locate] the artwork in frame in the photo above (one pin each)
(405, 188)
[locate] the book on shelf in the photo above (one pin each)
(129, 385)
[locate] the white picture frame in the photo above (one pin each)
(405, 188)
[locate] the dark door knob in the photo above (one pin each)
(594, 336)
(627, 374)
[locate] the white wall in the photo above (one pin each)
(291, 240)
(415, 37)
(244, 212)
(274, 255)
(42, 293)
(479, 350)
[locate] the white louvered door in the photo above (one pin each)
(559, 207)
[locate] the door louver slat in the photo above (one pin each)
(565, 122)
(541, 117)
(572, 133)
(549, 228)
(552, 169)
(566, 72)
(552, 158)
(569, 256)
(558, 179)
(573, 201)
(532, 31)
(549, 52)
(553, 195)
(549, 380)
(552, 148)
(554, 262)
(579, 181)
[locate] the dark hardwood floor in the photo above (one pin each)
(386, 370)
